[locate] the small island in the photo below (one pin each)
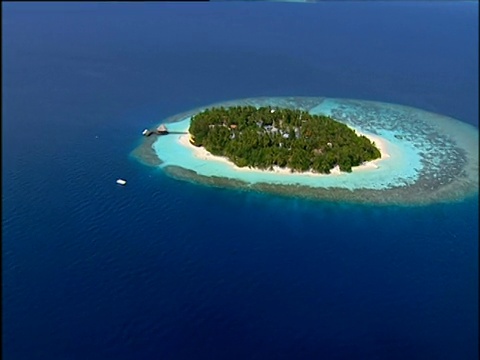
(424, 157)
(267, 137)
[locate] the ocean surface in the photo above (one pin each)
(168, 269)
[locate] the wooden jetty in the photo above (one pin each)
(161, 130)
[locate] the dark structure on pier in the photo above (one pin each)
(162, 130)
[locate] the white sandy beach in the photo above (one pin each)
(203, 154)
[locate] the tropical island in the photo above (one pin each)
(266, 137)
(425, 157)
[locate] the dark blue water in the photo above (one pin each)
(163, 269)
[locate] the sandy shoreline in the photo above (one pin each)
(203, 154)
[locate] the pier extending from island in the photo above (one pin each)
(161, 130)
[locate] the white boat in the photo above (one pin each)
(144, 132)
(121, 182)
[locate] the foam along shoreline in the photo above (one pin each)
(202, 154)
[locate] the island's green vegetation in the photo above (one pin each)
(266, 137)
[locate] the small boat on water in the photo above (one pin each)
(144, 132)
(121, 182)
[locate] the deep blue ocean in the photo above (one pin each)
(166, 269)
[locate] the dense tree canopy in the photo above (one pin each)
(267, 136)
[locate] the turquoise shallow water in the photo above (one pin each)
(402, 163)
(420, 145)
